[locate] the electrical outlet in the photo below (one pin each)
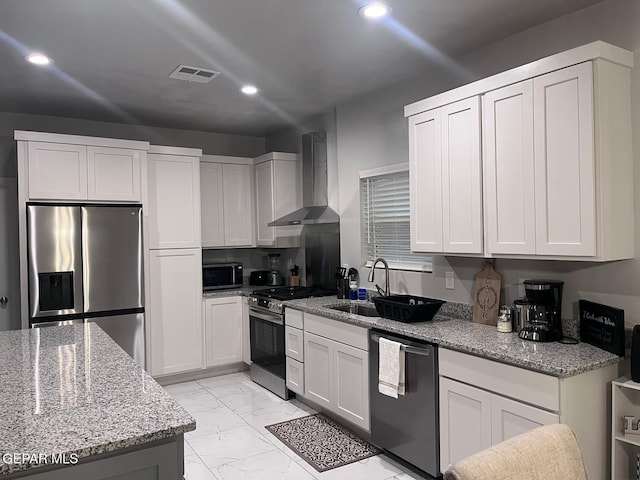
(521, 292)
(449, 280)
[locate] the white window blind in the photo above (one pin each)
(384, 203)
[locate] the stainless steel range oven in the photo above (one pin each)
(266, 319)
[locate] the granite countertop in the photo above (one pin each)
(452, 329)
(73, 390)
(245, 291)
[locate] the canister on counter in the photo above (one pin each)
(504, 319)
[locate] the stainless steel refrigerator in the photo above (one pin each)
(85, 265)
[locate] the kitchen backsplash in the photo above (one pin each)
(256, 259)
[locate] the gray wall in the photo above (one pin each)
(372, 132)
(289, 140)
(210, 143)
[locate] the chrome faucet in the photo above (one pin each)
(372, 273)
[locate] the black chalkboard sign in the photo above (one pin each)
(602, 326)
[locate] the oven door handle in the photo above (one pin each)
(267, 317)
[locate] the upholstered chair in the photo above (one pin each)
(545, 453)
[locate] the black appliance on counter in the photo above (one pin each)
(218, 276)
(543, 319)
(266, 320)
(258, 277)
(407, 427)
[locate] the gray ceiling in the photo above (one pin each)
(113, 57)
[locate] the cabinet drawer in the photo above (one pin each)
(293, 318)
(518, 383)
(336, 330)
(295, 376)
(294, 343)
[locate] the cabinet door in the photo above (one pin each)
(318, 369)
(113, 174)
(564, 162)
(425, 187)
(294, 340)
(57, 171)
(510, 418)
(351, 390)
(174, 313)
(174, 201)
(295, 376)
(246, 333)
(223, 331)
(465, 421)
(508, 169)
(461, 177)
(212, 204)
(287, 196)
(238, 210)
(265, 235)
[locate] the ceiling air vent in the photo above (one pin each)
(193, 74)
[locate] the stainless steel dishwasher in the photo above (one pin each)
(407, 427)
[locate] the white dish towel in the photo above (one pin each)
(391, 369)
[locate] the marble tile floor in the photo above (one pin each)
(231, 443)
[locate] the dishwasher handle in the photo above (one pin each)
(407, 348)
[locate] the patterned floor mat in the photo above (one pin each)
(321, 442)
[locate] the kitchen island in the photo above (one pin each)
(75, 405)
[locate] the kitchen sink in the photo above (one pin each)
(364, 310)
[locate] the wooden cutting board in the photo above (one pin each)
(487, 298)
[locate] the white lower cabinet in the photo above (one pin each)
(465, 421)
(472, 419)
(295, 376)
(174, 312)
(336, 375)
(510, 418)
(246, 333)
(351, 384)
(483, 402)
(318, 369)
(293, 342)
(223, 331)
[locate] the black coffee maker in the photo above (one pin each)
(543, 322)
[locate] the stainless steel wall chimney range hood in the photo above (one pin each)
(314, 186)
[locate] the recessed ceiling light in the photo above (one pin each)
(374, 10)
(249, 90)
(38, 59)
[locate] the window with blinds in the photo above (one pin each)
(384, 203)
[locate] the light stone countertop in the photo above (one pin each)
(73, 390)
(243, 291)
(452, 329)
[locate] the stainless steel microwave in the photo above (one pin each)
(216, 276)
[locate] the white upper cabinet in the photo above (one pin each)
(174, 197)
(425, 167)
(446, 179)
(278, 193)
(461, 177)
(113, 174)
(57, 171)
(508, 169)
(212, 204)
(227, 202)
(70, 167)
(555, 178)
(238, 211)
(564, 162)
